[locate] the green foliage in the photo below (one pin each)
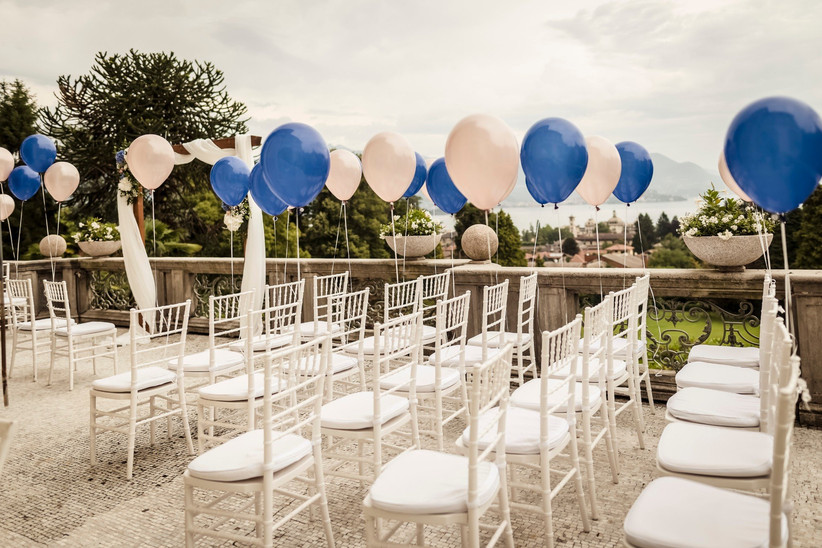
(570, 247)
(510, 251)
(539, 261)
(672, 254)
(92, 229)
(804, 235)
(664, 226)
(603, 227)
(169, 242)
(725, 217)
(645, 236)
(547, 235)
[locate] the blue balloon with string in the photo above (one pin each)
(24, 182)
(554, 158)
(38, 152)
(230, 179)
(442, 190)
(637, 171)
(774, 152)
(263, 196)
(535, 192)
(296, 163)
(419, 177)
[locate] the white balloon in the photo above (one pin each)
(6, 206)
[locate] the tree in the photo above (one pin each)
(603, 227)
(645, 236)
(510, 245)
(672, 254)
(664, 226)
(570, 247)
(125, 96)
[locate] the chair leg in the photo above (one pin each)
(14, 354)
(636, 406)
(648, 388)
(583, 511)
(132, 438)
(184, 412)
(319, 482)
(438, 420)
(610, 414)
(547, 512)
(114, 351)
(152, 425)
(52, 354)
(72, 363)
(610, 444)
(504, 510)
(93, 429)
(473, 526)
(190, 515)
(589, 464)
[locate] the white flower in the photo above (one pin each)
(734, 228)
(691, 232)
(232, 222)
(726, 235)
(95, 225)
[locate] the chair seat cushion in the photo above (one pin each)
(679, 513)
(236, 388)
(43, 324)
(426, 378)
(147, 377)
(619, 369)
(522, 430)
(527, 395)
(450, 356)
(241, 458)
(429, 482)
(494, 339)
(429, 333)
(310, 330)
(354, 347)
(356, 411)
(18, 302)
(620, 346)
(713, 451)
(200, 362)
(339, 362)
(715, 407)
(87, 328)
(728, 378)
(747, 356)
(261, 343)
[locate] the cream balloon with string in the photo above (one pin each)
(150, 159)
(603, 171)
(728, 179)
(61, 180)
(344, 174)
(6, 164)
(6, 206)
(388, 163)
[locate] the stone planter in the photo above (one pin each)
(99, 249)
(412, 247)
(731, 254)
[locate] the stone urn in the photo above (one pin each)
(52, 246)
(413, 247)
(99, 249)
(479, 243)
(731, 254)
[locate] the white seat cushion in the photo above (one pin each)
(43, 324)
(429, 482)
(260, 343)
(356, 411)
(713, 451)
(339, 362)
(87, 328)
(619, 368)
(715, 407)
(309, 330)
(521, 430)
(426, 378)
(429, 333)
(620, 347)
(354, 347)
(739, 380)
(241, 458)
(451, 356)
(147, 377)
(527, 395)
(200, 362)
(494, 339)
(236, 388)
(747, 356)
(19, 302)
(679, 513)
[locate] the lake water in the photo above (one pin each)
(524, 217)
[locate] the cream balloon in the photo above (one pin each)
(6, 164)
(388, 163)
(6, 206)
(344, 175)
(603, 171)
(150, 159)
(482, 158)
(61, 179)
(729, 180)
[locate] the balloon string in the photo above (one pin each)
(347, 248)
(536, 237)
(46, 218)
(8, 223)
(154, 247)
(297, 228)
(760, 229)
(19, 232)
(405, 240)
(337, 239)
(599, 259)
(562, 264)
(231, 255)
(453, 278)
(788, 298)
(287, 227)
(394, 240)
(625, 245)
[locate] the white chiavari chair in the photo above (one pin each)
(434, 288)
(325, 288)
(440, 489)
(640, 350)
(148, 383)
(347, 360)
(238, 485)
(7, 430)
(76, 341)
(285, 294)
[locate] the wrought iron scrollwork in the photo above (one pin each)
(109, 291)
(206, 285)
(376, 308)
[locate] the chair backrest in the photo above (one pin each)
(326, 287)
(20, 289)
(349, 313)
(282, 313)
(768, 286)
(167, 339)
(434, 289)
(560, 349)
(451, 325)
(641, 293)
(488, 386)
(286, 293)
(596, 333)
(402, 298)
(6, 270)
(226, 318)
(786, 369)
(397, 351)
(623, 325)
(58, 303)
(526, 305)
(767, 325)
(7, 429)
(494, 307)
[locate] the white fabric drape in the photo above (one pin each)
(138, 269)
(254, 264)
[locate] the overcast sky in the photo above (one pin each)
(669, 75)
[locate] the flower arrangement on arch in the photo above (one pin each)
(235, 216)
(725, 217)
(93, 229)
(128, 187)
(417, 222)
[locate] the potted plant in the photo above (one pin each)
(726, 232)
(415, 234)
(96, 238)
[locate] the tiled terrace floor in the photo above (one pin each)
(51, 496)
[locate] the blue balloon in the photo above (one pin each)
(38, 152)
(262, 195)
(535, 192)
(23, 182)
(441, 188)
(419, 177)
(637, 171)
(230, 179)
(296, 162)
(774, 152)
(554, 157)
